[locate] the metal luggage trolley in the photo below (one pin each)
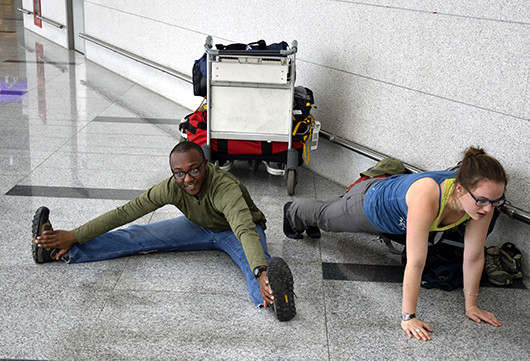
(250, 97)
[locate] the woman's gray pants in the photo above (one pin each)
(339, 214)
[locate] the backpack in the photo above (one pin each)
(303, 102)
(383, 169)
(199, 74)
(443, 266)
(193, 127)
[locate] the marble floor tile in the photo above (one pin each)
(16, 163)
(65, 213)
(75, 176)
(358, 248)
(22, 132)
(172, 325)
(95, 141)
(82, 108)
(9, 181)
(81, 146)
(352, 335)
(153, 103)
(32, 142)
(118, 110)
(102, 161)
(46, 330)
(132, 126)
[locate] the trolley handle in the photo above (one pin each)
(292, 50)
(208, 48)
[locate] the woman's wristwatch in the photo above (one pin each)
(408, 316)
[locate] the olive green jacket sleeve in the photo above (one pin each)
(147, 202)
(231, 202)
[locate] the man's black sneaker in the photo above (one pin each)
(496, 274)
(288, 230)
(511, 259)
(313, 232)
(281, 284)
(41, 223)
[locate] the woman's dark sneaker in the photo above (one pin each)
(313, 232)
(496, 274)
(288, 230)
(281, 284)
(511, 259)
(41, 223)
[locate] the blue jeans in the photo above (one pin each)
(177, 234)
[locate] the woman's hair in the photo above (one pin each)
(478, 166)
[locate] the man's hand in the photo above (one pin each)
(417, 328)
(265, 290)
(478, 315)
(59, 239)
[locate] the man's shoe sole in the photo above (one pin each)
(281, 283)
(40, 255)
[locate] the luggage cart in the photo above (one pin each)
(250, 97)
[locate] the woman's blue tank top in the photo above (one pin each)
(385, 205)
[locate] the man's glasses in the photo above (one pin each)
(483, 202)
(192, 172)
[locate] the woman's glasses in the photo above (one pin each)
(483, 202)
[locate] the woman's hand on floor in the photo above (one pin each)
(478, 315)
(417, 328)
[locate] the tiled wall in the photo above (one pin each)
(417, 80)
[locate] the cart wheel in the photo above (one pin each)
(254, 164)
(291, 181)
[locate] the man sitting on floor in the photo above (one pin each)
(218, 214)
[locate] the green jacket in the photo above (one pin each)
(223, 204)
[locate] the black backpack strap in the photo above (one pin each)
(262, 45)
(236, 46)
(184, 125)
(266, 148)
(188, 127)
(222, 146)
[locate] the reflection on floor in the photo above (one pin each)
(81, 140)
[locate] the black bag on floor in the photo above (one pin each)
(443, 267)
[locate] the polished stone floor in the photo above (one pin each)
(82, 140)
